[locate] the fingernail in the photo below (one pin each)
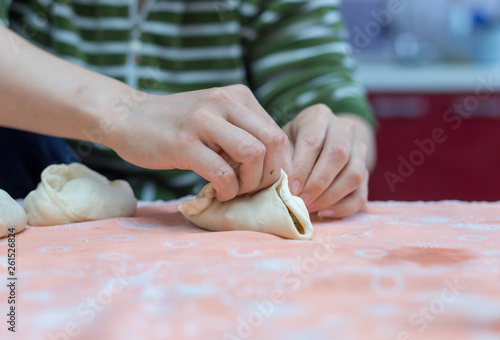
(305, 197)
(326, 213)
(295, 187)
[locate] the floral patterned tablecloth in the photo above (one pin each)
(395, 271)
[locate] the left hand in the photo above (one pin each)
(329, 162)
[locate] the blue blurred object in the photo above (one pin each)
(460, 29)
(24, 155)
(369, 28)
(424, 31)
(404, 29)
(486, 38)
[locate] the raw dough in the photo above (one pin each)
(273, 210)
(75, 193)
(12, 215)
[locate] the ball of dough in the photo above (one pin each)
(74, 193)
(12, 215)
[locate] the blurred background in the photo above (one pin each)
(432, 72)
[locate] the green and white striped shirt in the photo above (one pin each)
(289, 52)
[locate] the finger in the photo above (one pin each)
(277, 156)
(245, 96)
(228, 159)
(209, 165)
(348, 180)
(334, 156)
(242, 109)
(349, 205)
(287, 161)
(242, 148)
(309, 141)
(269, 134)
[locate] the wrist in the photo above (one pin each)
(106, 109)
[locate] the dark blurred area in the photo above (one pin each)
(432, 72)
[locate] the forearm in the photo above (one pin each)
(45, 94)
(365, 133)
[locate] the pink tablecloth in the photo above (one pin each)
(395, 271)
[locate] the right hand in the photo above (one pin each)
(207, 131)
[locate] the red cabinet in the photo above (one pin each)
(437, 146)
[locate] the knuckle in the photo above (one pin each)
(218, 94)
(320, 107)
(324, 113)
(357, 176)
(339, 152)
(362, 201)
(281, 139)
(240, 88)
(362, 146)
(350, 127)
(317, 184)
(254, 151)
(273, 136)
(201, 114)
(301, 169)
(317, 113)
(312, 142)
(346, 121)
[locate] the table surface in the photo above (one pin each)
(395, 271)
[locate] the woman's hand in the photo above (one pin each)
(330, 163)
(207, 131)
(223, 134)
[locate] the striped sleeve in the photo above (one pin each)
(4, 12)
(296, 57)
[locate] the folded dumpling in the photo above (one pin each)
(74, 193)
(12, 216)
(273, 210)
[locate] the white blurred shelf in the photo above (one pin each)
(436, 78)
